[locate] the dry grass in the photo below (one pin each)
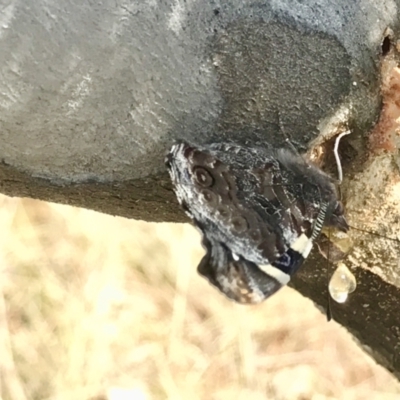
(97, 307)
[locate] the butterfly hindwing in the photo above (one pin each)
(239, 279)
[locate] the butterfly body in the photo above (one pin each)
(259, 210)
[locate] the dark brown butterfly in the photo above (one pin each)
(259, 210)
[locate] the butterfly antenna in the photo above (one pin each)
(375, 234)
(337, 157)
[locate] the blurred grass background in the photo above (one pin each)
(96, 307)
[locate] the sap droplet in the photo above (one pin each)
(342, 283)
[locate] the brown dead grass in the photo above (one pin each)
(100, 307)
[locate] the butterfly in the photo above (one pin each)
(259, 210)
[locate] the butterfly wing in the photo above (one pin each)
(237, 278)
(258, 210)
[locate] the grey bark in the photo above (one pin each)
(93, 94)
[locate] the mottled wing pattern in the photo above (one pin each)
(239, 279)
(258, 209)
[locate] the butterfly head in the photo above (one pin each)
(337, 218)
